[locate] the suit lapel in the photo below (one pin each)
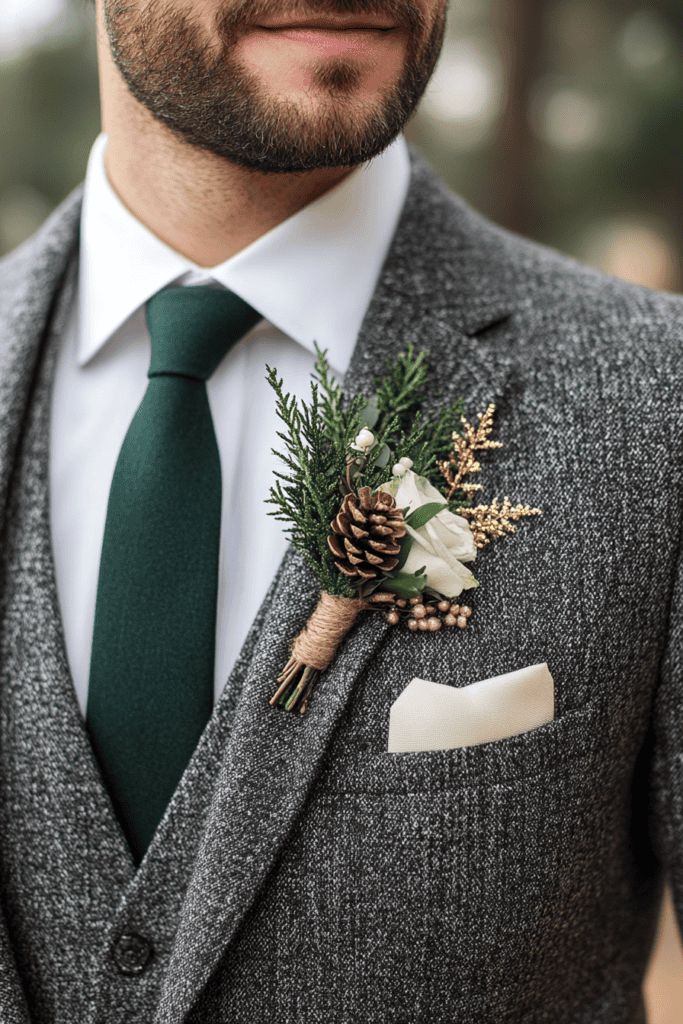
(30, 281)
(13, 1008)
(431, 293)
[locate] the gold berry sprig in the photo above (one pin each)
(462, 461)
(495, 520)
(420, 613)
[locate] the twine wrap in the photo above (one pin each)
(319, 640)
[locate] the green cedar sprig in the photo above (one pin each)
(402, 390)
(305, 493)
(316, 439)
(407, 428)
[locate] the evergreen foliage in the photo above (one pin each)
(305, 494)
(318, 464)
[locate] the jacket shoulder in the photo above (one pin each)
(471, 254)
(45, 252)
(573, 308)
(563, 285)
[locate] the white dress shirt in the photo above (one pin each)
(311, 278)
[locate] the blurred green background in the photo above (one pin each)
(561, 119)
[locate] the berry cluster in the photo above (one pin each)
(420, 615)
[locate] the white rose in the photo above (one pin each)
(443, 544)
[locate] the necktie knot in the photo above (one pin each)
(192, 328)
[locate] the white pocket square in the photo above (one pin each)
(431, 716)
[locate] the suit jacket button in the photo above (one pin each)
(132, 953)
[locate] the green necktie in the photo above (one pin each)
(152, 665)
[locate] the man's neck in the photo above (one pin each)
(205, 207)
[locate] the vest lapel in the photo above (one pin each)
(64, 858)
(272, 758)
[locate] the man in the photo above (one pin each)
(173, 848)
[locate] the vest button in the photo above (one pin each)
(132, 953)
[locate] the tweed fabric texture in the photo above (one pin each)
(69, 886)
(301, 872)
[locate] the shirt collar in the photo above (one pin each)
(312, 276)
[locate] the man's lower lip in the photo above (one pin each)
(331, 41)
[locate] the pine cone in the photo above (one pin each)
(365, 535)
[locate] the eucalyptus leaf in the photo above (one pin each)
(383, 456)
(369, 413)
(370, 586)
(405, 584)
(421, 516)
(406, 545)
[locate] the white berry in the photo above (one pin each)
(364, 441)
(402, 466)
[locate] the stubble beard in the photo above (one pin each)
(210, 99)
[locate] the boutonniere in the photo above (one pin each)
(374, 494)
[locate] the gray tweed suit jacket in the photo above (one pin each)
(301, 872)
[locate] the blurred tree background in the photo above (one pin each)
(561, 119)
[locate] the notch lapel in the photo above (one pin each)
(435, 291)
(30, 280)
(30, 283)
(13, 1008)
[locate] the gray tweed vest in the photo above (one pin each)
(301, 873)
(68, 875)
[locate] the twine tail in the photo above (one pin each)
(314, 649)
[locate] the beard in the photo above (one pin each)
(199, 89)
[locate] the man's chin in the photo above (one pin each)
(337, 154)
(306, 131)
(320, 84)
